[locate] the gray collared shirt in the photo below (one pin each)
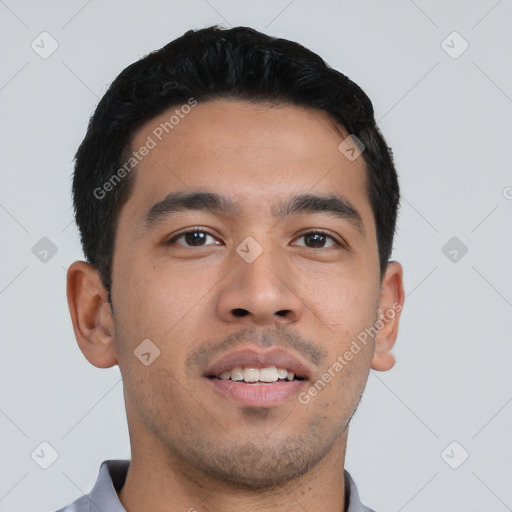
(111, 478)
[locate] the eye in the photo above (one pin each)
(192, 238)
(318, 239)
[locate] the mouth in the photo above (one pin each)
(258, 379)
(251, 375)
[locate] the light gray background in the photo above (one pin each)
(448, 121)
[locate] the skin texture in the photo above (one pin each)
(191, 446)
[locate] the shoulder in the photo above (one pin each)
(82, 504)
(354, 502)
(103, 496)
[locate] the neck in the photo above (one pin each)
(157, 482)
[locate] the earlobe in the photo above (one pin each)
(392, 298)
(91, 316)
(383, 360)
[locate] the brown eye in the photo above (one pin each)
(195, 238)
(318, 240)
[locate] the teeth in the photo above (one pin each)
(282, 373)
(251, 374)
(236, 373)
(268, 374)
(248, 374)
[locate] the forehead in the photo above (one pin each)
(254, 152)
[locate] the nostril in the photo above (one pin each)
(240, 312)
(282, 312)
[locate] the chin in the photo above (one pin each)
(253, 466)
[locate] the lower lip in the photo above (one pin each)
(258, 394)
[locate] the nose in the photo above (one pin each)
(263, 292)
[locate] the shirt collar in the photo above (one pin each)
(112, 476)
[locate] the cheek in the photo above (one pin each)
(345, 301)
(160, 297)
(159, 396)
(347, 307)
(347, 384)
(337, 388)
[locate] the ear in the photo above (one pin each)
(392, 298)
(91, 315)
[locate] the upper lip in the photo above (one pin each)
(252, 358)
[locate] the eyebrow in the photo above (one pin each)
(333, 205)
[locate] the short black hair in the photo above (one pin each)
(208, 64)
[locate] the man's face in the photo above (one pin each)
(254, 285)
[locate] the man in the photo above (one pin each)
(237, 206)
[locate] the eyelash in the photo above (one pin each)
(314, 232)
